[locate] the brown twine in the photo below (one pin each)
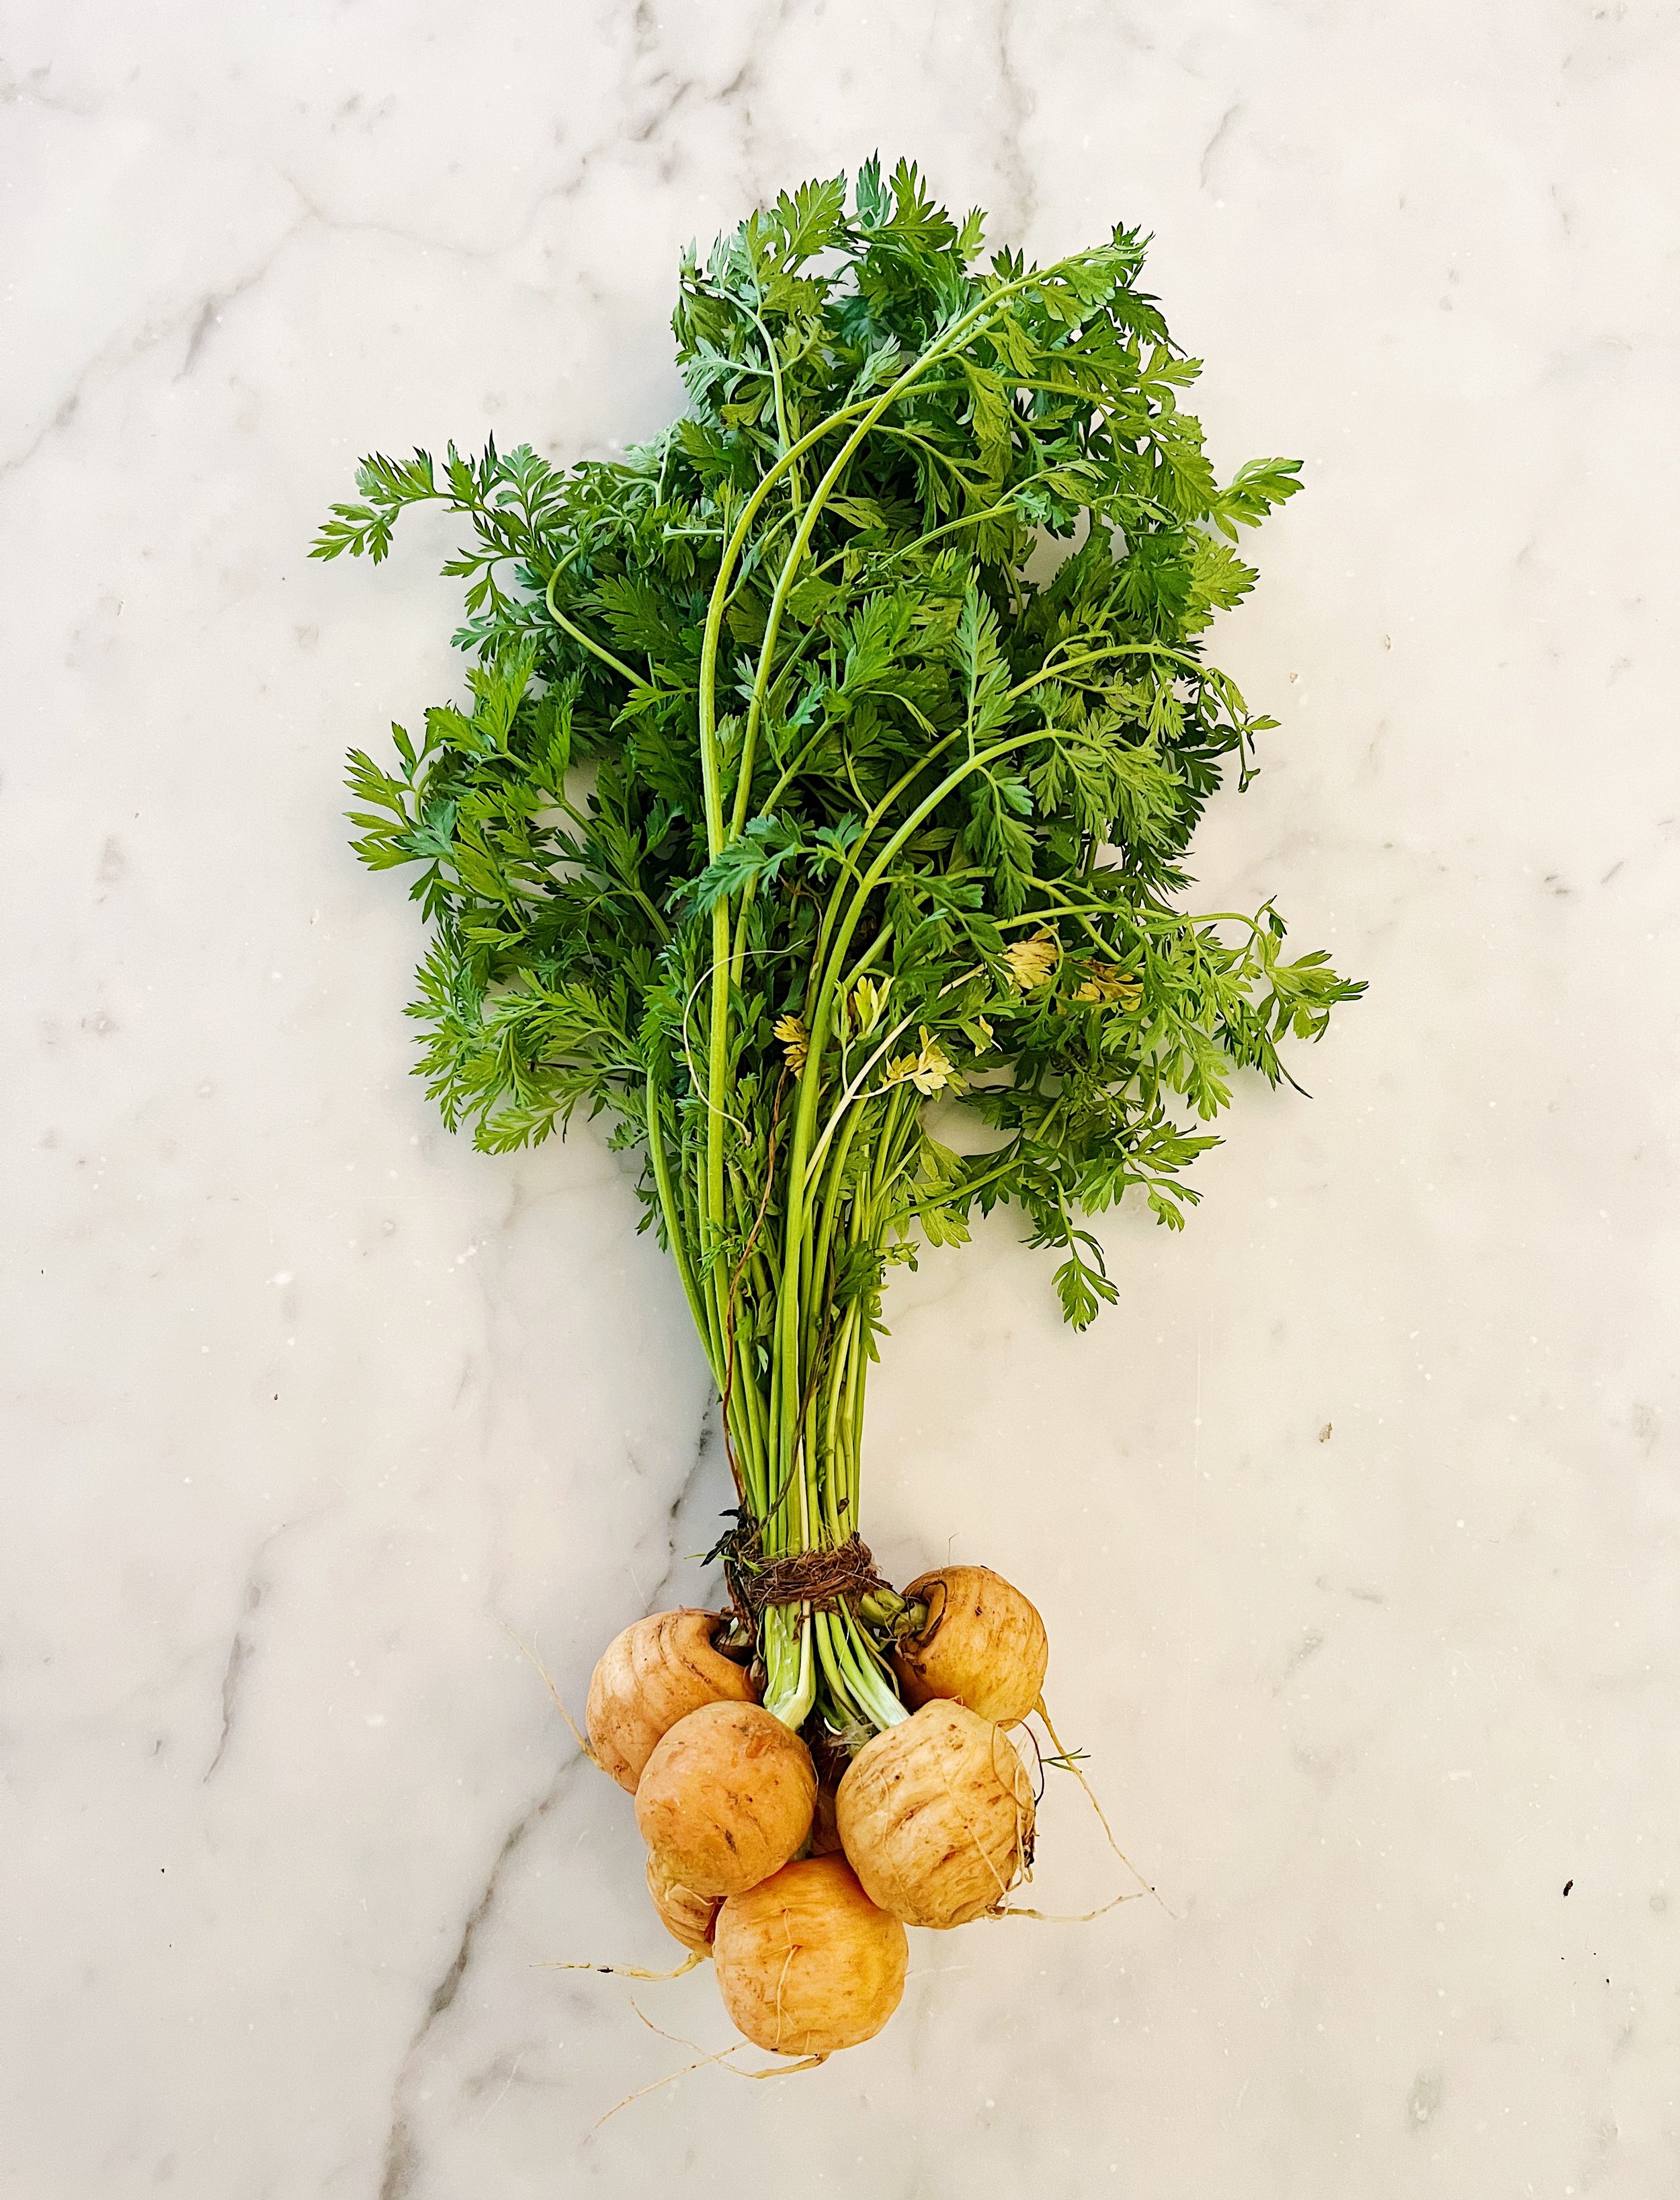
(823, 1579)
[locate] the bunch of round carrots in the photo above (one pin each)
(806, 825)
(799, 1888)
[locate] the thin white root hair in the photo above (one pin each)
(642, 2092)
(578, 1733)
(626, 1970)
(705, 2063)
(775, 2070)
(675, 2037)
(1144, 1885)
(1070, 1917)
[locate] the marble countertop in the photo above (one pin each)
(1356, 1523)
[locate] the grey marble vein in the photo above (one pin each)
(402, 2153)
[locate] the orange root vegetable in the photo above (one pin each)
(686, 1916)
(805, 1963)
(649, 1677)
(936, 1816)
(983, 1645)
(725, 1799)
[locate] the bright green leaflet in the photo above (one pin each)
(801, 787)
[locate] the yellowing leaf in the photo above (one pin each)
(930, 1071)
(796, 1039)
(1105, 984)
(868, 998)
(1032, 962)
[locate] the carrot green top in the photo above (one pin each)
(796, 791)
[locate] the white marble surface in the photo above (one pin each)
(1356, 1526)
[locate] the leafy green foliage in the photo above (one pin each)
(771, 707)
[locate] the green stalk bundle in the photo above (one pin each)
(801, 786)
